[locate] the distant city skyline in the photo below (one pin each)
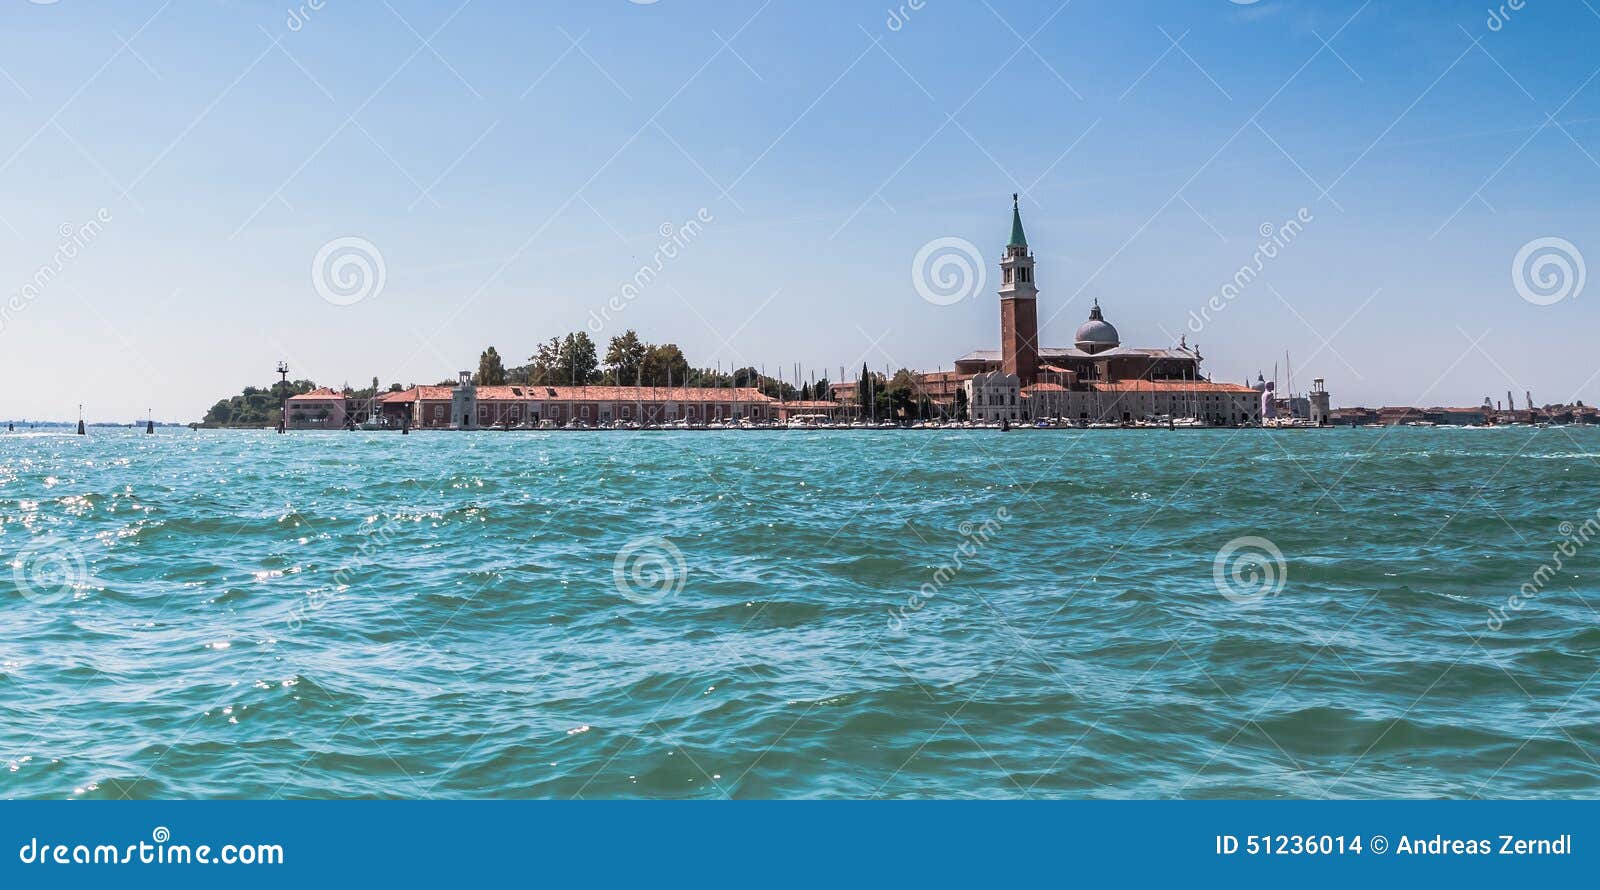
(196, 193)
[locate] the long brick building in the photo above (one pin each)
(468, 406)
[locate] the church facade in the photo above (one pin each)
(1096, 379)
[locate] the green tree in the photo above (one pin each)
(578, 359)
(564, 361)
(903, 391)
(961, 404)
(255, 407)
(868, 392)
(544, 366)
(665, 363)
(491, 371)
(625, 357)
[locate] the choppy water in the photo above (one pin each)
(350, 615)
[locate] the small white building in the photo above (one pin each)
(464, 403)
(1320, 414)
(994, 395)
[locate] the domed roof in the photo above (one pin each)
(1097, 333)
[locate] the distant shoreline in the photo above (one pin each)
(841, 428)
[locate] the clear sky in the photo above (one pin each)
(514, 164)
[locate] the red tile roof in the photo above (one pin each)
(1201, 386)
(321, 394)
(525, 393)
(430, 393)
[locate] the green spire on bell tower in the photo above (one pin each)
(1017, 238)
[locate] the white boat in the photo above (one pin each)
(808, 422)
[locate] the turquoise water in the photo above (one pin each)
(920, 614)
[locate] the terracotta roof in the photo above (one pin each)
(1043, 387)
(810, 404)
(524, 393)
(416, 392)
(1194, 386)
(320, 394)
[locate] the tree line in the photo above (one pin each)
(574, 360)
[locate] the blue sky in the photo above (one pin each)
(514, 164)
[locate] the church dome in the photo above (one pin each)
(1097, 334)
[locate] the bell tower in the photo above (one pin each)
(1019, 310)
